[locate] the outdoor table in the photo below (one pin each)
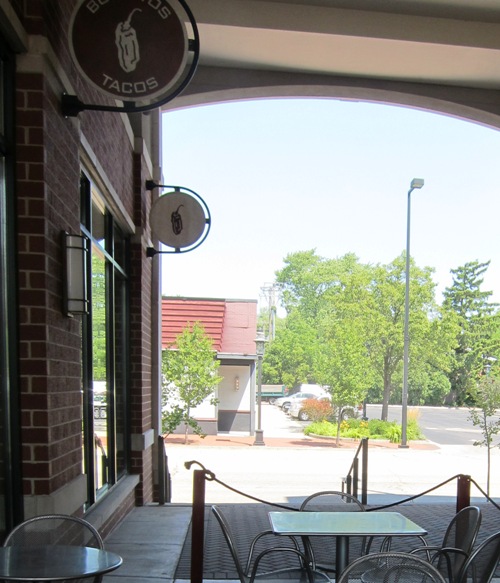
(342, 526)
(55, 562)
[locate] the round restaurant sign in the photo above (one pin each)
(131, 50)
(178, 219)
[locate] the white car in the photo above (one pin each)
(297, 411)
(285, 402)
(296, 407)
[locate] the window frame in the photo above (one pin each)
(112, 269)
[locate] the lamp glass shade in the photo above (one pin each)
(75, 278)
(260, 343)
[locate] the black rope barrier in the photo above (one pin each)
(485, 495)
(410, 498)
(211, 477)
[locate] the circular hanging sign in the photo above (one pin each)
(178, 219)
(131, 50)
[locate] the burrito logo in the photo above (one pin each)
(127, 44)
(129, 49)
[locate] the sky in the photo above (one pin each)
(281, 176)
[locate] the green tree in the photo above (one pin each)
(342, 360)
(484, 416)
(342, 365)
(99, 337)
(288, 359)
(477, 337)
(431, 331)
(333, 294)
(302, 282)
(189, 377)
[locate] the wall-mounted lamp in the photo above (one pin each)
(236, 383)
(75, 254)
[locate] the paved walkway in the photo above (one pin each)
(154, 541)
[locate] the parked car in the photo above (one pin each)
(304, 388)
(285, 402)
(298, 411)
(100, 405)
(272, 392)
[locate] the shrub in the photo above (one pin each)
(324, 428)
(377, 428)
(354, 428)
(358, 429)
(318, 410)
(394, 432)
(413, 430)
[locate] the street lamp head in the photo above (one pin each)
(260, 342)
(417, 183)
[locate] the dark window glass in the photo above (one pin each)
(11, 505)
(105, 336)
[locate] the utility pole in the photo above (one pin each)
(270, 292)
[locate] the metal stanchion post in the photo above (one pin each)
(463, 492)
(198, 526)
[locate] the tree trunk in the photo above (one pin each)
(488, 445)
(387, 393)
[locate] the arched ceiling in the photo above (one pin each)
(440, 55)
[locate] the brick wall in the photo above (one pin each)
(47, 197)
(47, 191)
(141, 270)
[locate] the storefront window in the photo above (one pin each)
(105, 333)
(10, 488)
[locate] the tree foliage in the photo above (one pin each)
(477, 340)
(354, 317)
(431, 332)
(484, 415)
(289, 358)
(189, 370)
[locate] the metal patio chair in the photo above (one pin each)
(321, 548)
(458, 542)
(390, 568)
(482, 563)
(56, 529)
(271, 559)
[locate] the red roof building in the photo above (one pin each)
(232, 324)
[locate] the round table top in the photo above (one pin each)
(55, 562)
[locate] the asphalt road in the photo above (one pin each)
(442, 425)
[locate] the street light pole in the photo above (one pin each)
(259, 343)
(415, 183)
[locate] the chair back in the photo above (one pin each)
(321, 548)
(331, 501)
(482, 563)
(390, 568)
(53, 529)
(460, 534)
(229, 538)
(56, 529)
